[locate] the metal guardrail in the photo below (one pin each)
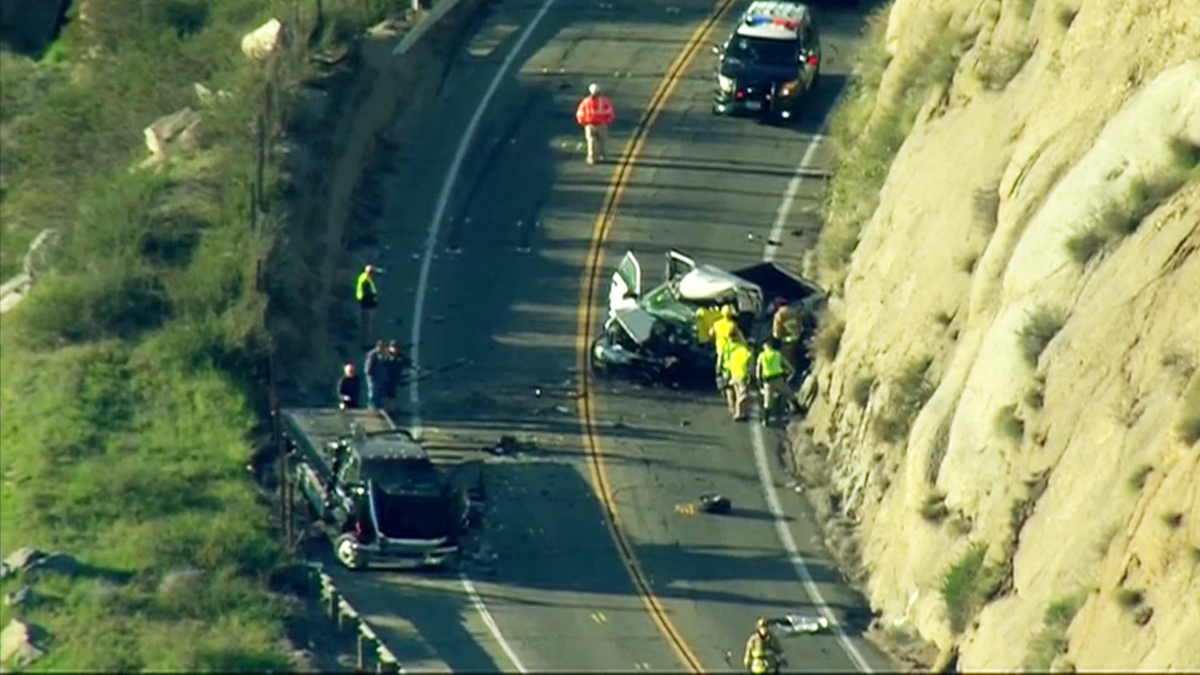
(372, 655)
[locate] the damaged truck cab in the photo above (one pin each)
(373, 490)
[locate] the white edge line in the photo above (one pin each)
(477, 602)
(797, 560)
(789, 196)
(760, 447)
(431, 237)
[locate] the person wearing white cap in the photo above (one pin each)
(594, 114)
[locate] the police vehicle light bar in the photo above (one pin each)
(760, 20)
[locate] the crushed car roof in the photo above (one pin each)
(709, 283)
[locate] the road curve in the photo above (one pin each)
(502, 288)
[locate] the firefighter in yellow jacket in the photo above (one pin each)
(724, 330)
(737, 360)
(772, 372)
(763, 653)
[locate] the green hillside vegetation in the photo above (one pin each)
(133, 380)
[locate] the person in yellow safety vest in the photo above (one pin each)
(772, 372)
(763, 653)
(705, 318)
(785, 327)
(737, 361)
(722, 331)
(367, 296)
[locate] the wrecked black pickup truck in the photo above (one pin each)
(650, 335)
(373, 489)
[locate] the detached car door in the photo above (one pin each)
(626, 286)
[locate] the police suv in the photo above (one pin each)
(772, 58)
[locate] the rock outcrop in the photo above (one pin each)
(1032, 269)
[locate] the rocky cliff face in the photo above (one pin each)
(1011, 410)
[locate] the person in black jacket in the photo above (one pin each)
(349, 388)
(394, 366)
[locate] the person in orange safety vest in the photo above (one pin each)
(594, 114)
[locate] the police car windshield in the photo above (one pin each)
(762, 52)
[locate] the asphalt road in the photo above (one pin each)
(503, 291)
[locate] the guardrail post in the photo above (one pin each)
(335, 612)
(365, 646)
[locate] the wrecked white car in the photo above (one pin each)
(650, 335)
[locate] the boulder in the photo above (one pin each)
(263, 41)
(20, 561)
(179, 129)
(20, 644)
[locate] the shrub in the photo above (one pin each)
(1130, 598)
(1009, 425)
(1188, 426)
(934, 509)
(829, 337)
(987, 206)
(909, 393)
(862, 390)
(1137, 480)
(1035, 396)
(1040, 328)
(1051, 641)
(999, 64)
(967, 585)
(1086, 245)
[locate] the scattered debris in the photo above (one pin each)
(715, 503)
(794, 624)
(510, 446)
(21, 644)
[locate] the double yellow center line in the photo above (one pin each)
(587, 320)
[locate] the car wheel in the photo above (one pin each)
(345, 548)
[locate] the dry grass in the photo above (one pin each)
(828, 340)
(907, 395)
(1035, 396)
(1173, 520)
(967, 585)
(999, 64)
(934, 509)
(1051, 641)
(1040, 328)
(1130, 598)
(1188, 426)
(1137, 480)
(862, 390)
(1009, 425)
